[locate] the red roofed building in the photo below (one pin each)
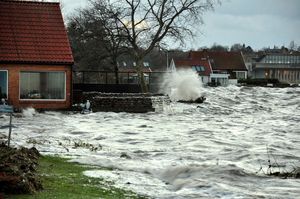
(231, 63)
(35, 55)
(217, 67)
(200, 66)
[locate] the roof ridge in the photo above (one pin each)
(30, 2)
(29, 35)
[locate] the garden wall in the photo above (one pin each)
(125, 102)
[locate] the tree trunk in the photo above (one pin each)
(116, 70)
(143, 84)
(139, 69)
(117, 74)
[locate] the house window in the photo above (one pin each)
(42, 85)
(198, 68)
(3, 84)
(240, 75)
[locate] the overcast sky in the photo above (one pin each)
(258, 23)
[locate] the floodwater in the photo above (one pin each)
(218, 149)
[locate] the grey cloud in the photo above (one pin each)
(284, 8)
(258, 23)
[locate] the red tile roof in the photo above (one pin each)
(188, 63)
(221, 60)
(33, 32)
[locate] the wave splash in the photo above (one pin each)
(29, 112)
(182, 85)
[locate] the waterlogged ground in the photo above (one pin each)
(217, 150)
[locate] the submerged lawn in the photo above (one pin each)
(65, 180)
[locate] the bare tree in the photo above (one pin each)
(99, 26)
(113, 36)
(218, 47)
(148, 23)
(293, 46)
(88, 50)
(237, 47)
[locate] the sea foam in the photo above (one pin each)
(182, 85)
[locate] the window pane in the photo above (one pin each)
(240, 75)
(42, 85)
(3, 84)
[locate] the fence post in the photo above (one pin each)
(4, 108)
(83, 77)
(9, 133)
(105, 77)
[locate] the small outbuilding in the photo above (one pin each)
(35, 55)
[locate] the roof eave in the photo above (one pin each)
(37, 62)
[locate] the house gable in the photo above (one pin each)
(33, 32)
(36, 53)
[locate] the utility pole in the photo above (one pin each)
(4, 108)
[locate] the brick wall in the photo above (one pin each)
(14, 87)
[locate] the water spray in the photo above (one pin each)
(182, 85)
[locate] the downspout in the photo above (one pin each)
(210, 70)
(71, 87)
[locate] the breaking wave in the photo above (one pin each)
(182, 85)
(211, 150)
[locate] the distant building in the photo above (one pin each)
(284, 67)
(250, 59)
(201, 67)
(221, 67)
(128, 74)
(35, 55)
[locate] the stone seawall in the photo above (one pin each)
(124, 102)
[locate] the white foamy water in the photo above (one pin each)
(182, 85)
(210, 151)
(29, 112)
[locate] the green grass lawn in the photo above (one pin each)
(65, 180)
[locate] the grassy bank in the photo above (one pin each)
(65, 180)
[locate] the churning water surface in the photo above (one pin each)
(218, 149)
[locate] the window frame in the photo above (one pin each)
(6, 83)
(65, 84)
(240, 72)
(198, 68)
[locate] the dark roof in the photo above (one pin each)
(221, 60)
(33, 32)
(189, 63)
